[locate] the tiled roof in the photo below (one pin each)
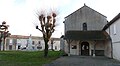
(19, 36)
(26, 37)
(86, 35)
(87, 7)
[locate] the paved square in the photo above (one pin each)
(84, 61)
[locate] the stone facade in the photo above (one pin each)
(86, 20)
(93, 19)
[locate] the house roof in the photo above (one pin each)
(86, 35)
(24, 37)
(112, 21)
(19, 36)
(27, 37)
(87, 7)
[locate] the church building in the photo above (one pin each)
(84, 34)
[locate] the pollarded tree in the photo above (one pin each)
(47, 24)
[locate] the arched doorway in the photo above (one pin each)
(85, 48)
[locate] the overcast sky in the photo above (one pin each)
(22, 18)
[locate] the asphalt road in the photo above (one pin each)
(84, 61)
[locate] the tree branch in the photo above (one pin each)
(52, 30)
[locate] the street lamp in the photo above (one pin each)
(3, 33)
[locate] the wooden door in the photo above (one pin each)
(85, 48)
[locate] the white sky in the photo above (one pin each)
(22, 18)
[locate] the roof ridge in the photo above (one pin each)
(88, 7)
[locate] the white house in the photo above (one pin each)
(114, 26)
(54, 44)
(19, 42)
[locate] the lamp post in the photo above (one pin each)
(3, 34)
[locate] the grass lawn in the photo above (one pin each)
(26, 58)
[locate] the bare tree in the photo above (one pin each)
(47, 24)
(3, 33)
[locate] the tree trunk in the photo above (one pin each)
(4, 44)
(0, 44)
(46, 48)
(52, 47)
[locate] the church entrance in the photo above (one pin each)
(85, 48)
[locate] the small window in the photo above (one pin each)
(74, 47)
(39, 42)
(10, 47)
(39, 47)
(33, 42)
(55, 47)
(84, 26)
(33, 47)
(19, 46)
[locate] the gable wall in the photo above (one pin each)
(94, 20)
